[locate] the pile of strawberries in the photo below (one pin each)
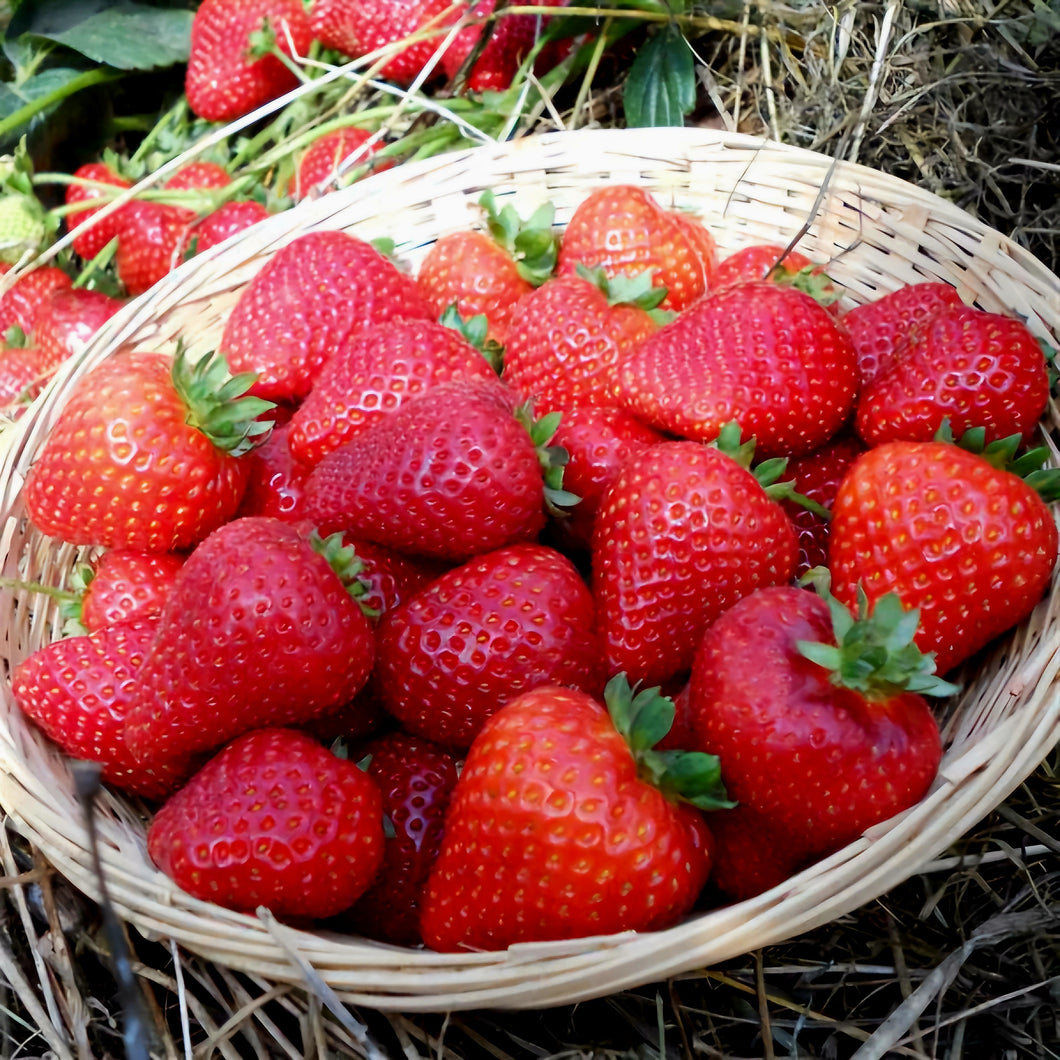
(578, 581)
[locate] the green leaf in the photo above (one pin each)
(661, 85)
(14, 97)
(125, 35)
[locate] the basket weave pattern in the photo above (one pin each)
(874, 233)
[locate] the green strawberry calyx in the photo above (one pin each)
(218, 403)
(642, 718)
(346, 564)
(768, 473)
(637, 290)
(874, 653)
(476, 330)
(532, 242)
(70, 600)
(1005, 454)
(553, 458)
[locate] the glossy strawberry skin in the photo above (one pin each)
(681, 535)
(93, 238)
(971, 547)
(22, 301)
(69, 318)
(758, 261)
(257, 630)
(389, 577)
(324, 162)
(373, 373)
(816, 760)
(222, 80)
(470, 270)
(598, 441)
(416, 779)
(879, 327)
(24, 371)
(275, 480)
(972, 368)
(450, 474)
(763, 354)
(126, 413)
(332, 24)
(501, 624)
(607, 852)
(381, 24)
(151, 240)
(128, 584)
(565, 342)
(310, 297)
(625, 230)
(79, 689)
(274, 820)
(223, 223)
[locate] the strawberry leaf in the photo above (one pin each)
(661, 85)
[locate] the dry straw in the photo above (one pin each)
(875, 233)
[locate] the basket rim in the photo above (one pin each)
(1014, 741)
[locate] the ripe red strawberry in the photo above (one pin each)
(598, 442)
(145, 454)
(24, 371)
(970, 545)
(22, 300)
(489, 271)
(332, 24)
(275, 480)
(230, 71)
(452, 473)
(151, 240)
(416, 779)
(567, 339)
(765, 355)
(123, 583)
(226, 221)
(273, 820)
(199, 175)
(972, 368)
(683, 532)
(94, 236)
(388, 577)
(500, 624)
(79, 689)
(374, 372)
(625, 230)
(818, 475)
(307, 300)
(322, 166)
(69, 318)
(820, 722)
(769, 261)
(260, 628)
(552, 834)
(878, 328)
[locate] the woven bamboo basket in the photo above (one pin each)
(875, 233)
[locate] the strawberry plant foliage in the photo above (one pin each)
(661, 86)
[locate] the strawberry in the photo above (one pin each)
(818, 475)
(260, 628)
(624, 229)
(322, 166)
(970, 367)
(308, 299)
(151, 240)
(683, 532)
(878, 328)
(69, 318)
(968, 544)
(489, 271)
(79, 689)
(24, 371)
(22, 300)
(765, 355)
(374, 372)
(553, 834)
(230, 70)
(568, 337)
(124, 583)
(198, 175)
(92, 236)
(145, 454)
(771, 261)
(818, 716)
(331, 22)
(274, 820)
(275, 480)
(598, 441)
(416, 779)
(502, 623)
(218, 225)
(388, 577)
(451, 473)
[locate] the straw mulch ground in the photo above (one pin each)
(963, 960)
